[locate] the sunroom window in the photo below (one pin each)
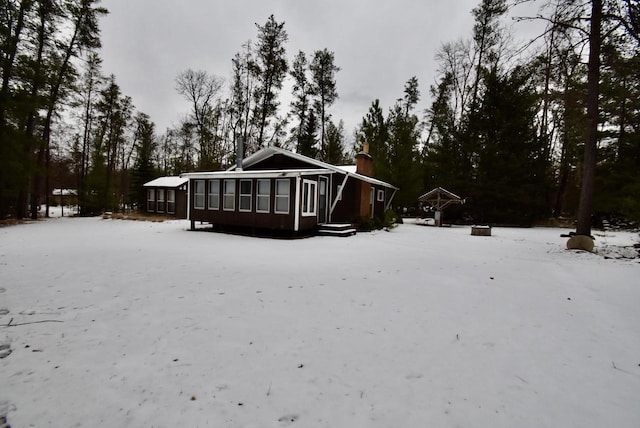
(198, 194)
(171, 201)
(214, 195)
(151, 200)
(282, 196)
(263, 193)
(245, 195)
(229, 199)
(160, 200)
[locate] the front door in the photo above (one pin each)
(323, 185)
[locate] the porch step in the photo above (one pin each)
(335, 229)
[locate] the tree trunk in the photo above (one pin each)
(585, 209)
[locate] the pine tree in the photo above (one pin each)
(511, 172)
(143, 169)
(307, 145)
(403, 156)
(323, 87)
(373, 132)
(334, 151)
(301, 96)
(269, 68)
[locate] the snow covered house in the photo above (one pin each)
(278, 190)
(167, 196)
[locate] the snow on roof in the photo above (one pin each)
(170, 181)
(270, 151)
(64, 192)
(258, 173)
(348, 168)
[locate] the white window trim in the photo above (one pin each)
(311, 198)
(263, 195)
(245, 195)
(380, 195)
(217, 194)
(287, 196)
(225, 194)
(195, 195)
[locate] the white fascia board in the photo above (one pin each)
(296, 214)
(284, 173)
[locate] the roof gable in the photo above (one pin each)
(277, 158)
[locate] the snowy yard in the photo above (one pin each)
(110, 323)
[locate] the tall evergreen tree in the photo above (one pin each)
(301, 96)
(486, 37)
(373, 132)
(242, 86)
(403, 155)
(511, 172)
(84, 34)
(323, 87)
(143, 169)
(269, 68)
(88, 89)
(334, 150)
(308, 142)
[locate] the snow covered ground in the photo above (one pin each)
(111, 323)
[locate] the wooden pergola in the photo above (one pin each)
(439, 199)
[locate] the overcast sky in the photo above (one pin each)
(378, 45)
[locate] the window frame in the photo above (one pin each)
(243, 198)
(151, 200)
(231, 194)
(380, 197)
(160, 201)
(211, 193)
(282, 196)
(309, 206)
(171, 201)
(198, 195)
(262, 196)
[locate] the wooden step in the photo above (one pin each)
(335, 229)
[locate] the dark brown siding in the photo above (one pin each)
(378, 206)
(249, 219)
(180, 202)
(345, 210)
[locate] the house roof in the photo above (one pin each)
(272, 173)
(440, 198)
(267, 152)
(439, 192)
(170, 181)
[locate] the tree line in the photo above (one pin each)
(510, 128)
(524, 133)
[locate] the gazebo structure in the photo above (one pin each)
(439, 199)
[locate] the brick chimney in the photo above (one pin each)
(364, 162)
(364, 166)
